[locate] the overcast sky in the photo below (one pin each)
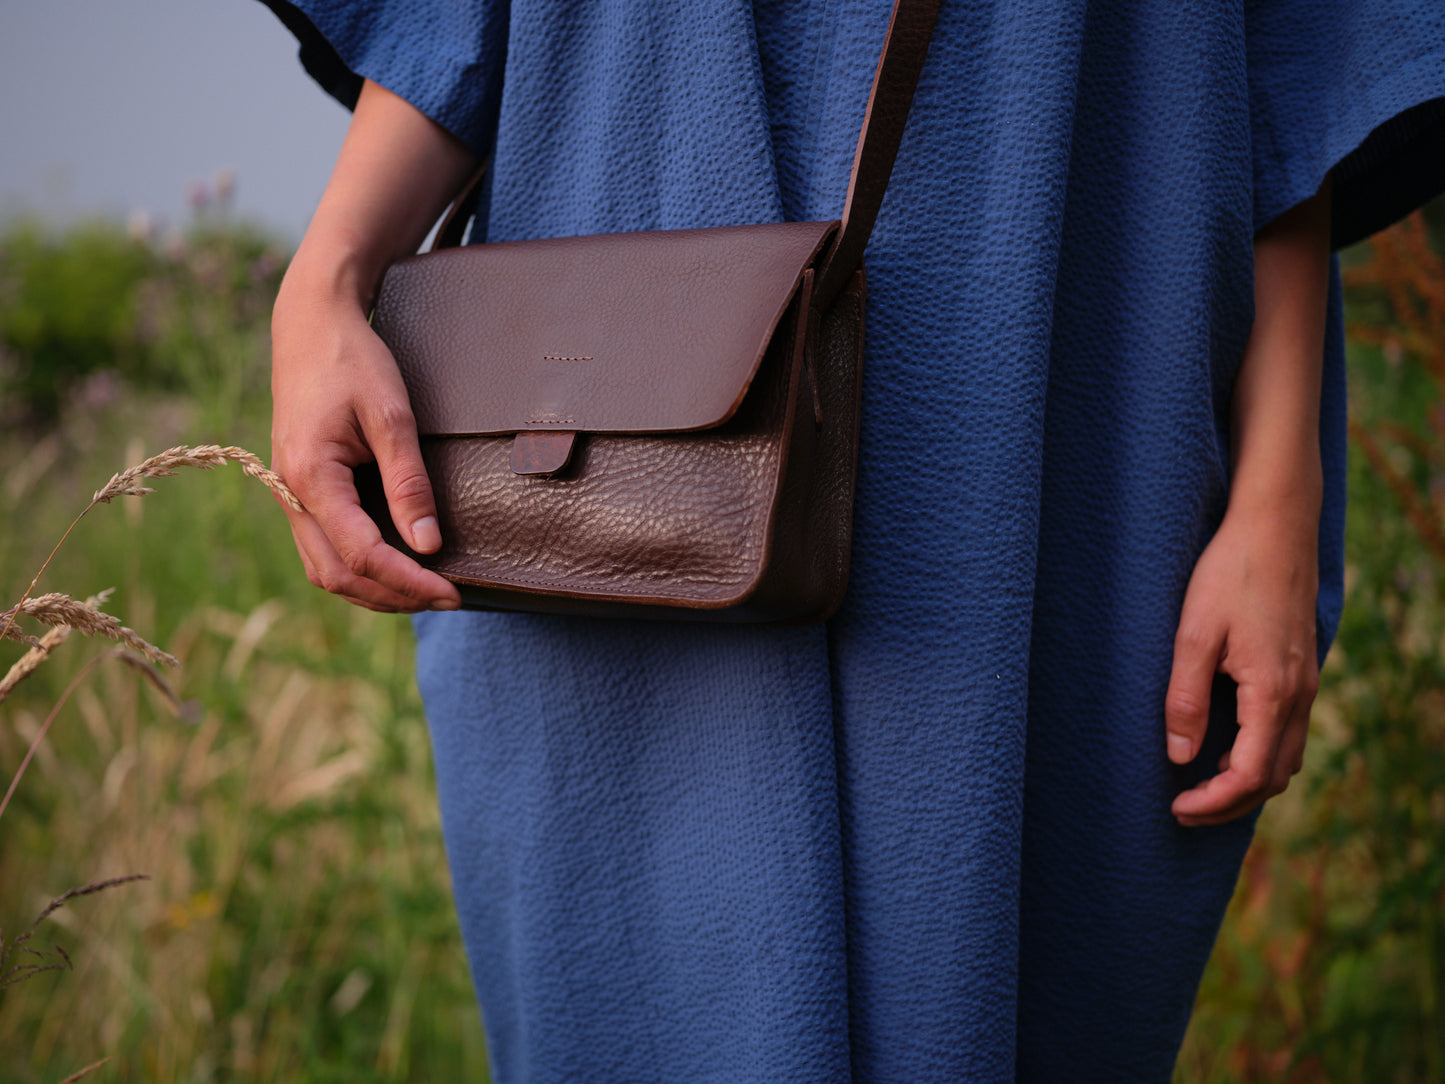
(117, 106)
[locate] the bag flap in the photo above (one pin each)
(612, 333)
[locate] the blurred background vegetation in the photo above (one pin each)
(298, 921)
(297, 924)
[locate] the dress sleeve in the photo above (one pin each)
(1356, 87)
(443, 56)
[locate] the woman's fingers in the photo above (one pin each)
(325, 569)
(1273, 704)
(1291, 755)
(344, 553)
(1250, 774)
(1197, 647)
(404, 479)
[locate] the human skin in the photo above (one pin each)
(338, 398)
(1249, 611)
(339, 402)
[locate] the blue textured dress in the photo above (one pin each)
(930, 841)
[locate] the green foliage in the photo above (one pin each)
(1379, 798)
(68, 307)
(298, 923)
(97, 301)
(1331, 965)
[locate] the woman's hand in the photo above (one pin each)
(1249, 611)
(338, 398)
(339, 403)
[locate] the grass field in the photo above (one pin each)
(297, 922)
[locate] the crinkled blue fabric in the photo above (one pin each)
(930, 841)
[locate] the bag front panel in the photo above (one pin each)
(680, 519)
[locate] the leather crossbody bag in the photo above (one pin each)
(656, 424)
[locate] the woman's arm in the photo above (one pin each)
(1249, 611)
(338, 398)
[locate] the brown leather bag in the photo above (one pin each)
(658, 424)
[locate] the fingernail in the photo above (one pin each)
(426, 535)
(446, 604)
(1181, 749)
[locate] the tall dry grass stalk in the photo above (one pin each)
(129, 483)
(92, 1067)
(28, 663)
(35, 961)
(203, 457)
(135, 662)
(298, 918)
(20, 959)
(61, 611)
(65, 614)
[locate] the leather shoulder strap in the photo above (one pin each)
(909, 30)
(454, 225)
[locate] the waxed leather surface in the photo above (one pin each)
(545, 452)
(622, 333)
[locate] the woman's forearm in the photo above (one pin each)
(1249, 611)
(396, 172)
(1275, 422)
(339, 400)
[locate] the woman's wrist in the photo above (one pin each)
(1283, 482)
(1281, 519)
(396, 172)
(338, 266)
(1275, 469)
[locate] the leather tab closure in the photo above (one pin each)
(543, 453)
